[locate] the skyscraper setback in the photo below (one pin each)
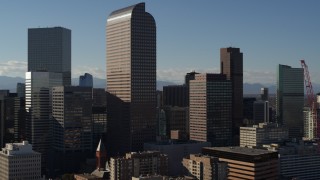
(232, 66)
(131, 75)
(49, 49)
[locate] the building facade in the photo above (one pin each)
(205, 167)
(261, 112)
(231, 60)
(72, 118)
(49, 49)
(137, 164)
(298, 160)
(131, 76)
(210, 111)
(19, 161)
(176, 151)
(86, 80)
(309, 126)
(246, 163)
(175, 95)
(177, 118)
(38, 109)
(264, 133)
(290, 99)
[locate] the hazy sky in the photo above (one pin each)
(189, 34)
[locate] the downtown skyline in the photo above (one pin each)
(189, 35)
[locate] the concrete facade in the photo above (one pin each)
(264, 133)
(137, 164)
(19, 161)
(246, 163)
(205, 167)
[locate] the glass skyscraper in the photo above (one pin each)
(49, 49)
(290, 99)
(131, 76)
(38, 109)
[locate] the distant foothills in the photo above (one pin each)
(248, 88)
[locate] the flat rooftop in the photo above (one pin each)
(244, 154)
(241, 150)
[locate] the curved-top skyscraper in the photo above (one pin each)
(131, 77)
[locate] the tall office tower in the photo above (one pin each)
(175, 95)
(6, 116)
(189, 76)
(19, 118)
(12, 117)
(86, 80)
(21, 89)
(205, 167)
(177, 120)
(260, 112)
(131, 74)
(248, 110)
(38, 110)
(211, 109)
(19, 161)
(264, 94)
(72, 126)
(231, 60)
(71, 113)
(49, 49)
(290, 99)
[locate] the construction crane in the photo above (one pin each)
(311, 99)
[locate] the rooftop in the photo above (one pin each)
(240, 150)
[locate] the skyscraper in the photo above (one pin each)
(86, 80)
(131, 74)
(38, 109)
(232, 66)
(290, 99)
(49, 49)
(210, 109)
(71, 113)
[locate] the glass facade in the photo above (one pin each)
(290, 99)
(49, 49)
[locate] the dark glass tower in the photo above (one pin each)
(131, 76)
(290, 99)
(49, 49)
(232, 66)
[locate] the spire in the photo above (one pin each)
(101, 147)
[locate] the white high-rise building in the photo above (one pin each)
(19, 161)
(38, 108)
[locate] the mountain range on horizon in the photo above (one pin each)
(10, 83)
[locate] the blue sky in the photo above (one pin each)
(189, 34)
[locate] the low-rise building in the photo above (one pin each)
(300, 160)
(136, 164)
(19, 161)
(264, 133)
(205, 167)
(176, 151)
(246, 163)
